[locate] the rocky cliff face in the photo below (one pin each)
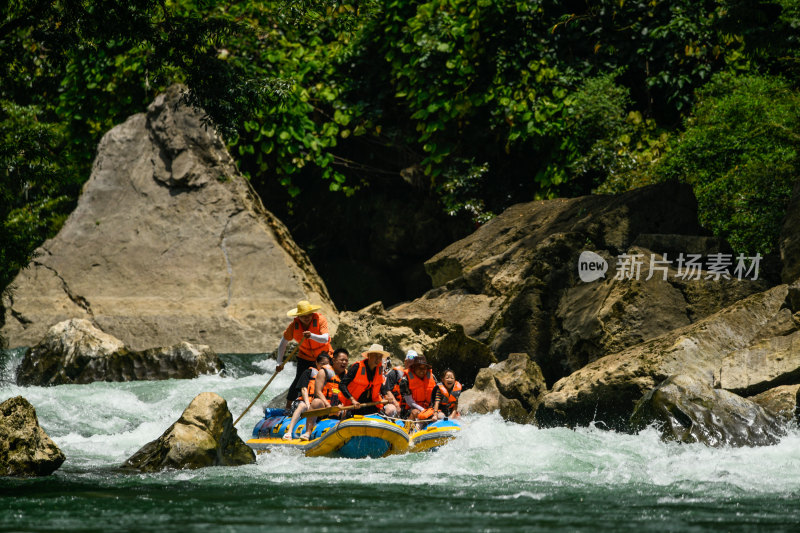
(168, 243)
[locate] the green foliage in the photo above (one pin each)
(37, 189)
(740, 152)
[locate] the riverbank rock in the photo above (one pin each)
(790, 238)
(444, 344)
(515, 285)
(75, 351)
(514, 387)
(168, 243)
(781, 402)
(607, 389)
(686, 409)
(203, 436)
(25, 449)
(762, 366)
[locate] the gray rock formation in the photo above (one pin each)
(203, 436)
(513, 387)
(687, 409)
(444, 344)
(25, 449)
(168, 243)
(607, 389)
(514, 283)
(781, 402)
(762, 366)
(74, 351)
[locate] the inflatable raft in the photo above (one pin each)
(353, 438)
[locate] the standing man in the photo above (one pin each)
(310, 331)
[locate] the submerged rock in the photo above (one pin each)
(687, 409)
(168, 243)
(75, 351)
(444, 344)
(514, 387)
(25, 449)
(203, 436)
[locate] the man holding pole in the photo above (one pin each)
(310, 330)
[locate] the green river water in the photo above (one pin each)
(496, 476)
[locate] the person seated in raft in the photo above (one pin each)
(327, 385)
(302, 404)
(417, 389)
(392, 377)
(364, 383)
(445, 396)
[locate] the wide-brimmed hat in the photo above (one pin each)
(304, 307)
(420, 361)
(377, 348)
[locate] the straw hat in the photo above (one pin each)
(304, 307)
(378, 349)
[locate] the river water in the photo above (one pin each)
(496, 476)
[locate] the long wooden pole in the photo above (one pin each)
(291, 355)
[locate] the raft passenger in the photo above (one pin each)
(307, 394)
(364, 382)
(310, 330)
(417, 389)
(445, 396)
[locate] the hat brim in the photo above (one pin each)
(382, 354)
(294, 312)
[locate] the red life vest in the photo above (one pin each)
(449, 400)
(309, 349)
(421, 389)
(360, 384)
(310, 386)
(331, 388)
(396, 389)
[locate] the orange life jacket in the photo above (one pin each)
(331, 388)
(360, 384)
(310, 386)
(396, 389)
(309, 349)
(449, 400)
(421, 389)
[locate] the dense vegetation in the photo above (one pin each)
(476, 103)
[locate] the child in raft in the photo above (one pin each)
(445, 396)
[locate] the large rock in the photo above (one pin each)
(607, 389)
(25, 449)
(74, 351)
(203, 436)
(514, 387)
(781, 402)
(168, 243)
(514, 283)
(444, 344)
(762, 366)
(687, 409)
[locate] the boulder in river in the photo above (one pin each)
(515, 285)
(606, 390)
(75, 351)
(687, 409)
(168, 243)
(203, 436)
(514, 387)
(781, 402)
(25, 449)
